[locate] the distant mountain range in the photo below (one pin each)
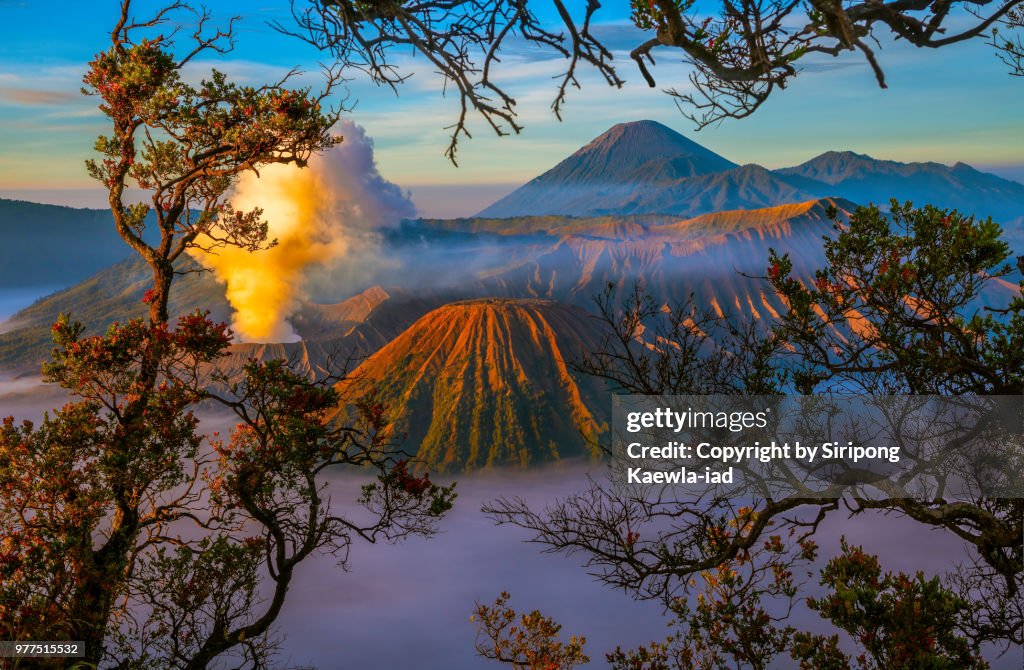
(644, 167)
(46, 245)
(867, 180)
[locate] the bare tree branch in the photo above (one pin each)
(740, 51)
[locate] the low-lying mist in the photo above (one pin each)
(408, 605)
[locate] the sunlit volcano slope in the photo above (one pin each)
(487, 382)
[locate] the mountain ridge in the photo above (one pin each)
(569, 260)
(42, 244)
(656, 170)
(868, 180)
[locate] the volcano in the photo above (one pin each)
(486, 382)
(644, 150)
(553, 258)
(621, 166)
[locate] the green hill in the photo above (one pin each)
(113, 294)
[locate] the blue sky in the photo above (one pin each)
(956, 103)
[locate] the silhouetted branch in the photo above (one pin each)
(740, 51)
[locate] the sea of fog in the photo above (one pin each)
(408, 605)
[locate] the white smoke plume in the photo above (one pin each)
(325, 218)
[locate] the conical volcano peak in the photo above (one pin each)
(638, 151)
(486, 382)
(637, 142)
(605, 174)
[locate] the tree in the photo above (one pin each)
(124, 526)
(740, 52)
(918, 277)
(530, 644)
(187, 145)
(894, 621)
(738, 619)
(688, 365)
(898, 309)
(899, 621)
(1010, 49)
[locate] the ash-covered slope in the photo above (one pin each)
(113, 294)
(718, 258)
(335, 336)
(486, 382)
